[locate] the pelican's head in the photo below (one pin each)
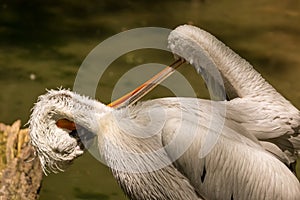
(59, 123)
(61, 119)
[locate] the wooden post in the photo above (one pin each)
(20, 170)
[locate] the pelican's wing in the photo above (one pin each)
(211, 57)
(276, 125)
(259, 107)
(236, 167)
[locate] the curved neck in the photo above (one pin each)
(199, 48)
(140, 163)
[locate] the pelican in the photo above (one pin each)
(152, 147)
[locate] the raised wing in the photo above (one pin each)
(255, 104)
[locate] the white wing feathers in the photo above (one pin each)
(231, 169)
(256, 106)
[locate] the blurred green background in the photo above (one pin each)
(43, 43)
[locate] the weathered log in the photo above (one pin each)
(20, 170)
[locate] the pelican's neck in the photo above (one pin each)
(203, 50)
(137, 158)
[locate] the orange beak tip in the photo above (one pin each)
(66, 124)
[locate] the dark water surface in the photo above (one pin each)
(42, 45)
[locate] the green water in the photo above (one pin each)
(43, 44)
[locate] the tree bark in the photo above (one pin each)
(20, 170)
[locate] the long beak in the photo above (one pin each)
(135, 95)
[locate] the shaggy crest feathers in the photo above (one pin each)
(55, 146)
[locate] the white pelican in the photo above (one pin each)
(259, 138)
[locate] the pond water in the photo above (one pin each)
(42, 46)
